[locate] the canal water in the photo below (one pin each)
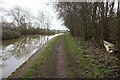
(14, 52)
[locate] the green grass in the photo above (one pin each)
(88, 66)
(44, 64)
(71, 62)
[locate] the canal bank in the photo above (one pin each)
(16, 51)
(42, 57)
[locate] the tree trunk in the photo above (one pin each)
(106, 30)
(118, 32)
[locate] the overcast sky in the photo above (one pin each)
(34, 6)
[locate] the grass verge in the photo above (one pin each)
(44, 63)
(83, 64)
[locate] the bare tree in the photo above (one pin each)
(40, 19)
(20, 16)
(44, 19)
(48, 19)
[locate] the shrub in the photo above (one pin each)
(9, 34)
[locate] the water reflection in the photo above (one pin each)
(16, 51)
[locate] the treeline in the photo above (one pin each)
(18, 20)
(16, 32)
(95, 21)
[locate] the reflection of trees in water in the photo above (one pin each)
(47, 38)
(26, 45)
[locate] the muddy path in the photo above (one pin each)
(60, 59)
